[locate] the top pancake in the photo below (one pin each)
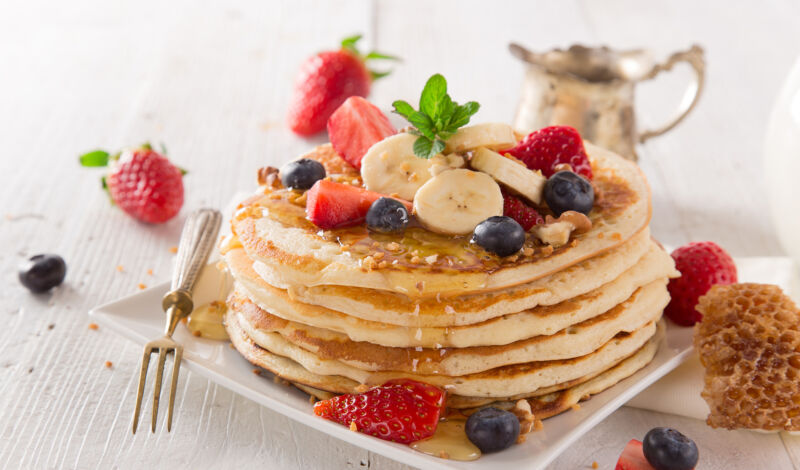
(288, 250)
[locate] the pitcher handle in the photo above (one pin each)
(694, 57)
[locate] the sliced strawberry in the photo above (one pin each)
(355, 126)
(332, 205)
(632, 458)
(524, 214)
(549, 147)
(401, 410)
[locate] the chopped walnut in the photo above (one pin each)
(368, 263)
(522, 410)
(393, 246)
(268, 176)
(431, 259)
(556, 232)
(441, 163)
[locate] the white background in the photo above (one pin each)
(211, 81)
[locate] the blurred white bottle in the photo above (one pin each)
(782, 164)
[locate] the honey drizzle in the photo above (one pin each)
(449, 441)
(206, 321)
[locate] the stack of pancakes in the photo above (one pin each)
(337, 311)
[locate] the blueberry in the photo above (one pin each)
(301, 174)
(668, 449)
(500, 235)
(568, 191)
(492, 429)
(387, 215)
(41, 273)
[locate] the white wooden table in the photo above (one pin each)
(211, 81)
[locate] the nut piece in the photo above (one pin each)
(522, 410)
(268, 176)
(556, 232)
(440, 163)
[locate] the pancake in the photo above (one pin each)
(399, 309)
(324, 387)
(502, 381)
(545, 320)
(551, 404)
(288, 250)
(643, 307)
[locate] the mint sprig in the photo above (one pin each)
(438, 118)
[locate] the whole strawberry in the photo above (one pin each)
(142, 182)
(702, 265)
(401, 410)
(551, 146)
(524, 214)
(325, 81)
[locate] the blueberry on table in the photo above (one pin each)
(41, 273)
(301, 174)
(668, 449)
(500, 235)
(568, 191)
(387, 215)
(492, 429)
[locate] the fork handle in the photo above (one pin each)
(197, 238)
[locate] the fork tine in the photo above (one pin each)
(176, 366)
(162, 358)
(142, 378)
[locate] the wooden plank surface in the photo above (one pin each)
(212, 81)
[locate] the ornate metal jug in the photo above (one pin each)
(592, 90)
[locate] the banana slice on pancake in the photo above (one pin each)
(492, 135)
(454, 202)
(511, 173)
(390, 167)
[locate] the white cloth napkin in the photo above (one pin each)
(679, 391)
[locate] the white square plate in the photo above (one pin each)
(138, 318)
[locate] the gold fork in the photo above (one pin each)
(197, 238)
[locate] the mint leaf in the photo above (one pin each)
(403, 108)
(94, 158)
(423, 124)
(438, 118)
(432, 95)
(462, 114)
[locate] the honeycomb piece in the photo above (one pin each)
(749, 344)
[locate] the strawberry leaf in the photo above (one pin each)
(378, 55)
(95, 158)
(349, 43)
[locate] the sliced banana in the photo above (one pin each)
(492, 135)
(390, 167)
(511, 173)
(455, 201)
(441, 163)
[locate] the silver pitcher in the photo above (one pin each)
(592, 89)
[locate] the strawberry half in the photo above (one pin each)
(332, 205)
(632, 458)
(702, 265)
(551, 146)
(400, 410)
(355, 127)
(327, 79)
(524, 214)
